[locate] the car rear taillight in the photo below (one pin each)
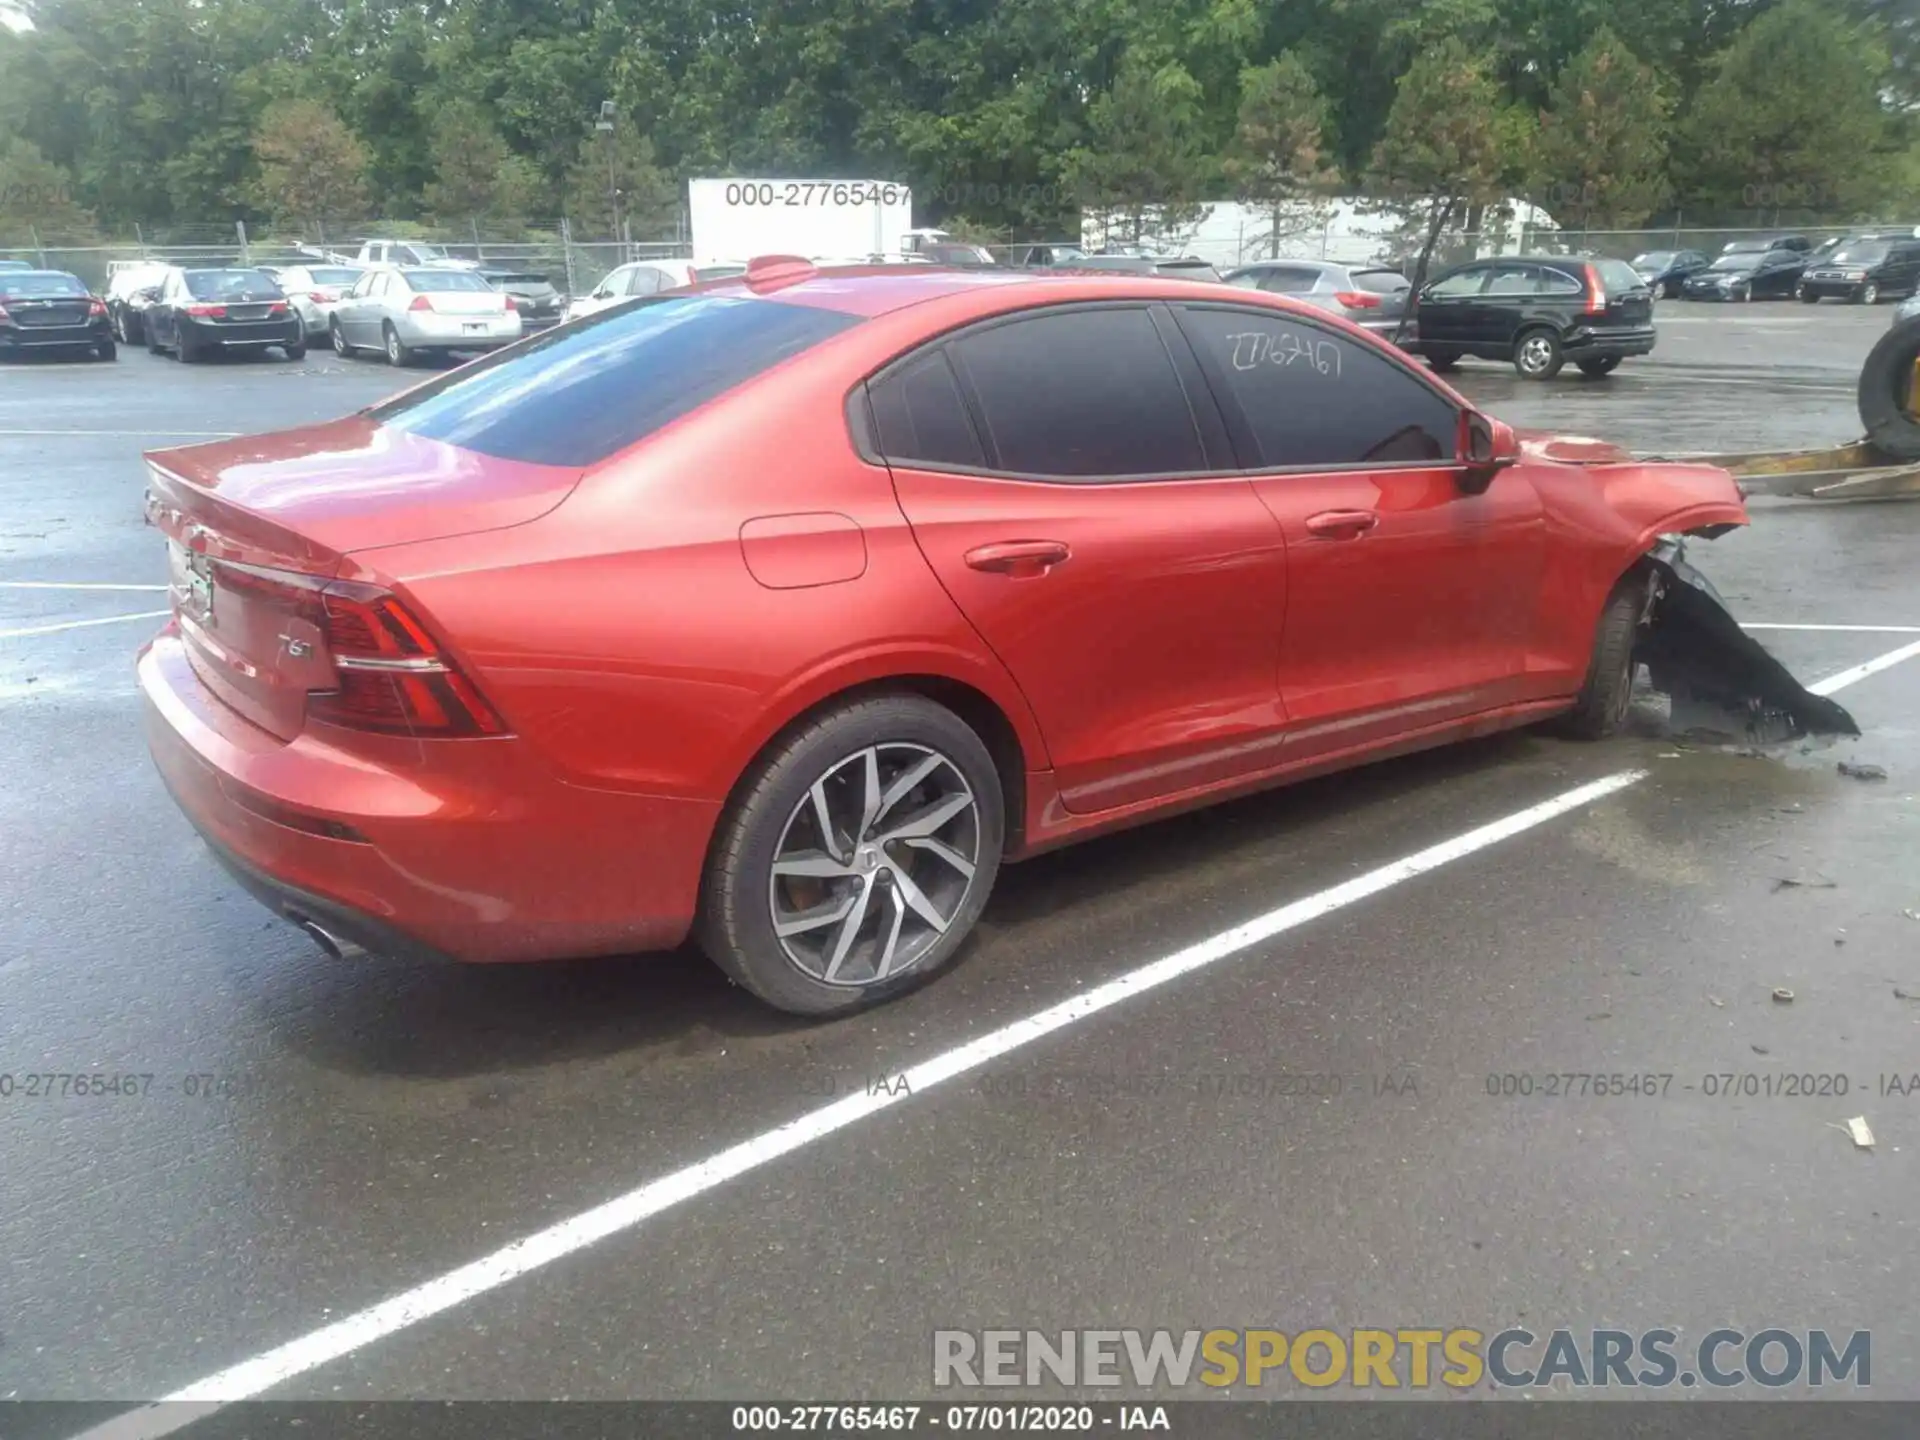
(421, 302)
(322, 297)
(278, 307)
(1596, 294)
(96, 308)
(1358, 300)
(5, 318)
(391, 675)
(208, 312)
(512, 304)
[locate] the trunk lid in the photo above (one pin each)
(29, 314)
(253, 526)
(467, 302)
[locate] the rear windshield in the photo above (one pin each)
(41, 285)
(1618, 275)
(1381, 282)
(1187, 269)
(575, 395)
(437, 281)
(334, 275)
(718, 272)
(231, 285)
(1655, 259)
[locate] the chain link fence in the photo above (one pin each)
(546, 247)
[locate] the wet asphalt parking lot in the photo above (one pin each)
(373, 1127)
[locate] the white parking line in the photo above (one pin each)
(1861, 672)
(80, 624)
(72, 585)
(1838, 629)
(253, 1377)
(142, 434)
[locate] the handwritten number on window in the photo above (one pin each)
(1254, 348)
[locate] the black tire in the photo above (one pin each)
(1600, 365)
(1807, 297)
(1537, 354)
(1884, 384)
(106, 350)
(736, 923)
(1605, 698)
(153, 344)
(1444, 360)
(297, 351)
(186, 350)
(339, 339)
(398, 352)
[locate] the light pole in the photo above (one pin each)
(605, 127)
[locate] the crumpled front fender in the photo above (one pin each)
(1662, 498)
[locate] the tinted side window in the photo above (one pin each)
(1308, 397)
(1559, 282)
(643, 281)
(920, 416)
(1088, 393)
(1466, 282)
(1516, 280)
(574, 395)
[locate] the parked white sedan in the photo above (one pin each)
(315, 290)
(406, 311)
(648, 277)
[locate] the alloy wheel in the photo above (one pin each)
(873, 864)
(1870, 295)
(1536, 353)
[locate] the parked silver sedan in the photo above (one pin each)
(405, 312)
(314, 291)
(1373, 297)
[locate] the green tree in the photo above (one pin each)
(1279, 150)
(36, 199)
(1143, 165)
(619, 168)
(475, 175)
(1450, 145)
(1791, 119)
(1601, 156)
(312, 168)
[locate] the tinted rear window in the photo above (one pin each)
(1381, 282)
(335, 275)
(719, 272)
(231, 285)
(29, 285)
(441, 281)
(1618, 275)
(575, 395)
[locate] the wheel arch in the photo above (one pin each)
(1004, 726)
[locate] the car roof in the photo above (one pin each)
(872, 291)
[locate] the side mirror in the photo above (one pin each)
(1491, 447)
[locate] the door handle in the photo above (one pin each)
(1341, 524)
(1019, 557)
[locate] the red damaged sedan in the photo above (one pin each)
(784, 611)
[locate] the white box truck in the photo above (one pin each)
(847, 221)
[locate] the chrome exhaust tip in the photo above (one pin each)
(335, 946)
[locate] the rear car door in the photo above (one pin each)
(1511, 296)
(1070, 483)
(1445, 308)
(1410, 602)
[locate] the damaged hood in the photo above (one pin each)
(1570, 449)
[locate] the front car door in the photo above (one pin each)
(1068, 479)
(1410, 602)
(1444, 316)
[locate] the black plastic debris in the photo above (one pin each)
(1719, 678)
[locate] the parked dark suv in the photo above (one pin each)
(1538, 312)
(1864, 271)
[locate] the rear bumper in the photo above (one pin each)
(1598, 344)
(246, 334)
(470, 850)
(55, 337)
(449, 332)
